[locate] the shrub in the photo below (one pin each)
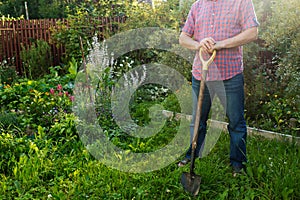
(283, 38)
(83, 23)
(272, 66)
(36, 59)
(8, 73)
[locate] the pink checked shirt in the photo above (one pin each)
(220, 19)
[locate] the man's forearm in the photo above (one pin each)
(244, 37)
(210, 44)
(188, 42)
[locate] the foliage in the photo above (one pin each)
(8, 119)
(77, 35)
(282, 115)
(283, 39)
(37, 102)
(12, 8)
(73, 37)
(38, 9)
(39, 168)
(41, 156)
(166, 15)
(36, 59)
(8, 73)
(51, 9)
(105, 8)
(9, 18)
(51, 162)
(272, 66)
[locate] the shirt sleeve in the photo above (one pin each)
(189, 25)
(248, 17)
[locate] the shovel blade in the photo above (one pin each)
(191, 183)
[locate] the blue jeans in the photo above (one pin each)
(232, 98)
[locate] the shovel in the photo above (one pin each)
(189, 180)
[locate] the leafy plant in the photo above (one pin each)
(36, 59)
(283, 38)
(77, 34)
(271, 66)
(8, 73)
(282, 113)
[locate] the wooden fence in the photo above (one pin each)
(17, 33)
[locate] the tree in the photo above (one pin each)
(39, 9)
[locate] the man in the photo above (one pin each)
(224, 26)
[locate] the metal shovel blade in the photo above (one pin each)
(191, 183)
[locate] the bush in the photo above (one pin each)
(272, 67)
(84, 22)
(283, 38)
(8, 73)
(36, 59)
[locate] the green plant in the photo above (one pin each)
(8, 74)
(41, 168)
(280, 112)
(8, 119)
(166, 15)
(272, 67)
(36, 59)
(37, 9)
(11, 149)
(37, 102)
(282, 38)
(78, 33)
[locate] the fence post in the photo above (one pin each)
(26, 10)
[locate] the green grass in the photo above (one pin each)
(44, 169)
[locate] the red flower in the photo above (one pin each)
(59, 87)
(52, 91)
(72, 98)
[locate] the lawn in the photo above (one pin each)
(64, 169)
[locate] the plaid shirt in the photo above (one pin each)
(220, 19)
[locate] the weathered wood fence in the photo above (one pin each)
(17, 33)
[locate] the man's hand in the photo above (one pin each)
(217, 46)
(207, 44)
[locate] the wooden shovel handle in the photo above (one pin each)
(205, 64)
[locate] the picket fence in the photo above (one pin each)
(15, 34)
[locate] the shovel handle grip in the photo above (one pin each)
(206, 63)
